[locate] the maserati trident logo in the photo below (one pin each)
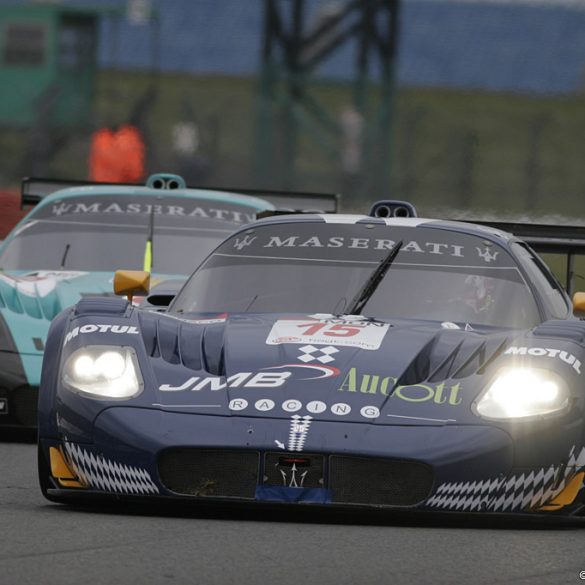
(291, 479)
(486, 254)
(60, 209)
(245, 241)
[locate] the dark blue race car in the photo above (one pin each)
(341, 360)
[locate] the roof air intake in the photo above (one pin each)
(392, 208)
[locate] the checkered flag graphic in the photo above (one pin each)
(103, 474)
(525, 492)
(299, 429)
(307, 352)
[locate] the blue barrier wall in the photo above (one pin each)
(519, 47)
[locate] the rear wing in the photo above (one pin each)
(33, 190)
(306, 202)
(567, 240)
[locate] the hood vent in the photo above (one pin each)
(45, 297)
(420, 367)
(420, 354)
(212, 349)
(455, 354)
(196, 347)
(35, 306)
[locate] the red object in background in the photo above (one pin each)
(117, 156)
(10, 211)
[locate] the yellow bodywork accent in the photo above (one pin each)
(567, 496)
(148, 257)
(579, 304)
(61, 471)
(131, 282)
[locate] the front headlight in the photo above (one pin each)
(104, 371)
(518, 393)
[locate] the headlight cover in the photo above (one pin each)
(103, 371)
(522, 393)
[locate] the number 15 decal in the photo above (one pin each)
(364, 335)
(330, 330)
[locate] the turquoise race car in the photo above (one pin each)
(73, 240)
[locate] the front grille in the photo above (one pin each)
(218, 473)
(299, 470)
(378, 482)
(19, 406)
(211, 473)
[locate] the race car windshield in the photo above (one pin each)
(105, 233)
(319, 268)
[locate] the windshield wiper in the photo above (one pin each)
(250, 304)
(365, 294)
(64, 258)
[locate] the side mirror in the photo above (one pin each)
(579, 304)
(131, 282)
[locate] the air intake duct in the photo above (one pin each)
(166, 181)
(392, 208)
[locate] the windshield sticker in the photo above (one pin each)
(330, 332)
(486, 254)
(108, 207)
(346, 242)
(566, 357)
(39, 283)
(353, 243)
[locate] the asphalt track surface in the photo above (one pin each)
(46, 544)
